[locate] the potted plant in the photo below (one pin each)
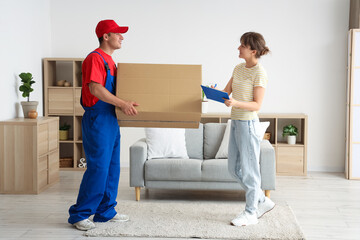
(26, 89)
(204, 103)
(291, 132)
(64, 131)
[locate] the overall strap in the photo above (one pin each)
(106, 64)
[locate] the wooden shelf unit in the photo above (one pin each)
(64, 102)
(290, 159)
(29, 155)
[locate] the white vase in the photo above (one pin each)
(28, 106)
(204, 107)
(291, 140)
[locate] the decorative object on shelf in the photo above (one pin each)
(82, 163)
(64, 131)
(63, 83)
(60, 83)
(204, 103)
(267, 136)
(66, 162)
(26, 89)
(291, 132)
(32, 114)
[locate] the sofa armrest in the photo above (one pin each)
(138, 157)
(267, 165)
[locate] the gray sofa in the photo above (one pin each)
(201, 170)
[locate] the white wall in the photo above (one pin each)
(25, 40)
(307, 67)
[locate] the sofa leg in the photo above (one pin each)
(137, 193)
(267, 193)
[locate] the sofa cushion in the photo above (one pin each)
(173, 169)
(194, 141)
(216, 170)
(166, 143)
(224, 146)
(213, 135)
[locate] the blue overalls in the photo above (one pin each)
(101, 141)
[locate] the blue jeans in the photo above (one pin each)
(243, 160)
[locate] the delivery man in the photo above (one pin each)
(100, 132)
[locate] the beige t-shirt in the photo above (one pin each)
(244, 81)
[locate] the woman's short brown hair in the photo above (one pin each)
(256, 42)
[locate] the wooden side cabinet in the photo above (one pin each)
(29, 154)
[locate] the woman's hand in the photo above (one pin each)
(212, 86)
(230, 102)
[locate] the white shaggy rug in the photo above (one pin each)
(207, 220)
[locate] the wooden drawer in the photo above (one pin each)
(79, 111)
(53, 167)
(290, 160)
(43, 139)
(61, 101)
(53, 135)
(43, 163)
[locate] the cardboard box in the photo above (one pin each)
(169, 95)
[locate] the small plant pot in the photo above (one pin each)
(291, 140)
(63, 134)
(204, 107)
(28, 106)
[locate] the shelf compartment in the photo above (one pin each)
(64, 71)
(70, 121)
(66, 155)
(299, 123)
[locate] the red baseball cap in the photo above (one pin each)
(107, 26)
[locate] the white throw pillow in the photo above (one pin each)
(166, 143)
(261, 129)
(224, 146)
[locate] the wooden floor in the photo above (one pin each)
(326, 205)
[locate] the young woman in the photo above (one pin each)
(247, 86)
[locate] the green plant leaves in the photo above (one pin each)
(64, 126)
(290, 130)
(25, 77)
(25, 88)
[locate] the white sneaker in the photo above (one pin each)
(265, 207)
(120, 218)
(245, 219)
(84, 225)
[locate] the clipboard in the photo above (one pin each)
(214, 94)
